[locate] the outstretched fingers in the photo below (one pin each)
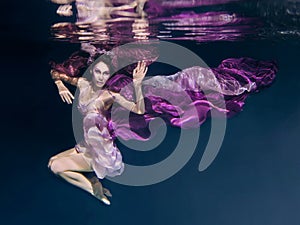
(145, 70)
(140, 70)
(66, 96)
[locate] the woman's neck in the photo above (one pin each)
(96, 88)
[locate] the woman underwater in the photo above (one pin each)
(98, 152)
(232, 81)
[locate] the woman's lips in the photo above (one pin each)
(100, 83)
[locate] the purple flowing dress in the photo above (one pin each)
(98, 145)
(165, 97)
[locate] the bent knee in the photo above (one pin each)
(56, 166)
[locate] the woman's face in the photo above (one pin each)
(101, 74)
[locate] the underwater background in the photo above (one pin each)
(255, 179)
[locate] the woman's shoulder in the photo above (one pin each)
(83, 83)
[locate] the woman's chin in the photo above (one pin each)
(99, 85)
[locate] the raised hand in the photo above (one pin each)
(139, 72)
(64, 92)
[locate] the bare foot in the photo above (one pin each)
(107, 192)
(98, 190)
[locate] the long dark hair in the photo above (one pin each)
(121, 62)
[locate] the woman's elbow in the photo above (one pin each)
(140, 112)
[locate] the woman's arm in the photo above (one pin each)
(63, 77)
(139, 105)
(138, 75)
(69, 72)
(63, 91)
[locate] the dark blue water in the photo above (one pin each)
(255, 179)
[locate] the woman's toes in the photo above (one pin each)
(105, 200)
(107, 192)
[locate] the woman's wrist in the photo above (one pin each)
(58, 82)
(137, 82)
(63, 77)
(54, 75)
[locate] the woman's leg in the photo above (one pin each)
(69, 165)
(64, 153)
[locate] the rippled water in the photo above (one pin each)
(201, 21)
